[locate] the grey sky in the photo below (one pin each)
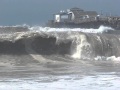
(14, 12)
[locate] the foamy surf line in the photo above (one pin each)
(112, 58)
(101, 82)
(25, 27)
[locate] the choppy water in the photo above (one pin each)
(45, 58)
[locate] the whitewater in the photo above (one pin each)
(35, 57)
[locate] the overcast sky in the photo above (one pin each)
(33, 12)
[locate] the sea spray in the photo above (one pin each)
(82, 48)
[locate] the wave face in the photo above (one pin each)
(93, 45)
(40, 42)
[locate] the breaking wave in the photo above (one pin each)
(101, 29)
(43, 41)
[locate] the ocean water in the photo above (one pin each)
(44, 58)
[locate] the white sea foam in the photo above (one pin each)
(99, 82)
(101, 29)
(111, 58)
(24, 25)
(81, 42)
